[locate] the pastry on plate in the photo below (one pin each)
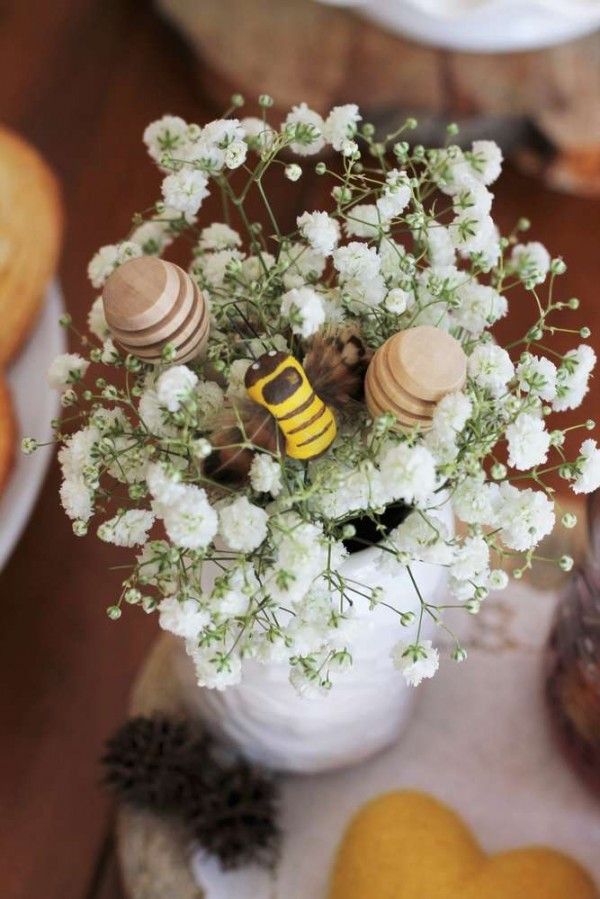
(30, 236)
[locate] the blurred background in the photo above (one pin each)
(80, 79)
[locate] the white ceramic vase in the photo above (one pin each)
(366, 709)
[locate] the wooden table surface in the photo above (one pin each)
(81, 78)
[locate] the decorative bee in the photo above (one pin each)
(334, 365)
(278, 382)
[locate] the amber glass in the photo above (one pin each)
(573, 659)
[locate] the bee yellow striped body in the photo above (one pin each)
(278, 382)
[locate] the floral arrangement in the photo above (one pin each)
(166, 459)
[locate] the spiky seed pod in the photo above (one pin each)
(146, 762)
(233, 813)
(168, 767)
(336, 364)
(230, 461)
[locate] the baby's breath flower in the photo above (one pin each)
(185, 190)
(528, 442)
(243, 525)
(340, 128)
(320, 230)
(265, 475)
(219, 236)
(179, 447)
(304, 309)
(531, 261)
(166, 136)
(110, 257)
(491, 367)
(97, 320)
(572, 378)
(293, 171)
(365, 220)
(127, 528)
(183, 617)
(175, 386)
(498, 579)
(69, 368)
(305, 127)
(416, 661)
(259, 134)
(587, 468)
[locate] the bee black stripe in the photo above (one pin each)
(301, 408)
(316, 436)
(313, 418)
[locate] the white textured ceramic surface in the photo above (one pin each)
(35, 405)
(364, 712)
(479, 740)
(483, 26)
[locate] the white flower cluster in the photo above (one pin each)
(241, 549)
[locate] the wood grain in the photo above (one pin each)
(81, 79)
(412, 371)
(149, 302)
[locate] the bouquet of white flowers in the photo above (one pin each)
(194, 464)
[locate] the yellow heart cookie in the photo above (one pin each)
(409, 846)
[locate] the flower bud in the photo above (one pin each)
(168, 353)
(29, 445)
(535, 333)
(293, 171)
(565, 563)
(498, 579)
(472, 606)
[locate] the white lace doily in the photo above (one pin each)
(480, 740)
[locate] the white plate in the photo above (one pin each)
(483, 26)
(35, 404)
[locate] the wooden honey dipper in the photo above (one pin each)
(148, 303)
(411, 372)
